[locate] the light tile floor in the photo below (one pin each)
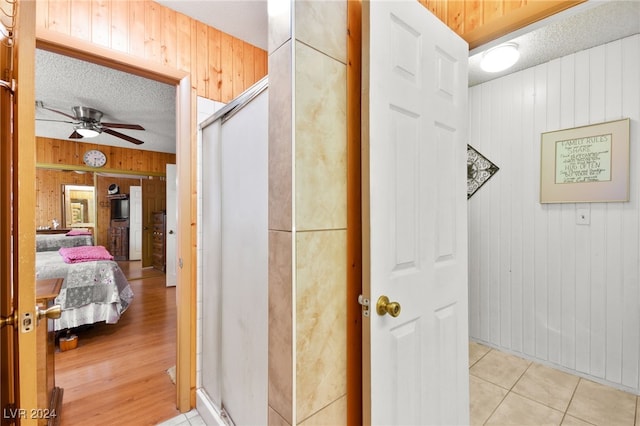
(508, 390)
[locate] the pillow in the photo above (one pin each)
(78, 232)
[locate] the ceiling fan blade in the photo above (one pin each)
(41, 105)
(122, 136)
(56, 121)
(123, 126)
(75, 135)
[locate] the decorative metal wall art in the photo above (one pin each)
(479, 170)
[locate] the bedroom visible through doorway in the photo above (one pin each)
(142, 279)
(118, 373)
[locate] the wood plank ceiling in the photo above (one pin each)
(480, 21)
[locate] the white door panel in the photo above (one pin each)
(171, 233)
(135, 223)
(414, 185)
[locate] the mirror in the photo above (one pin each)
(79, 209)
(50, 197)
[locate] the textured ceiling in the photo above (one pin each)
(584, 26)
(62, 82)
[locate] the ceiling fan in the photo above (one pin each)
(86, 123)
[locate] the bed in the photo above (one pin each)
(53, 242)
(92, 291)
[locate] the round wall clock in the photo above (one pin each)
(94, 158)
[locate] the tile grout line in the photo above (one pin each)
(571, 400)
(505, 395)
(508, 390)
(535, 401)
(521, 376)
(564, 412)
(478, 360)
(497, 406)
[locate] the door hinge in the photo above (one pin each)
(364, 302)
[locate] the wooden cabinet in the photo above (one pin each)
(118, 237)
(159, 240)
(49, 395)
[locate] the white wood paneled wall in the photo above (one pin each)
(540, 284)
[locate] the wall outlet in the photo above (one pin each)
(583, 216)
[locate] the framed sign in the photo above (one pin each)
(585, 164)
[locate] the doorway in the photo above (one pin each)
(154, 199)
(184, 130)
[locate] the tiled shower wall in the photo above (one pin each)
(307, 213)
(541, 284)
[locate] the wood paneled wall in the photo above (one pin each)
(221, 66)
(49, 192)
(68, 153)
(49, 196)
(540, 283)
(480, 21)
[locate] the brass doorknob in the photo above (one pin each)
(53, 312)
(8, 320)
(384, 306)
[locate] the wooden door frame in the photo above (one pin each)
(186, 137)
(354, 215)
(24, 214)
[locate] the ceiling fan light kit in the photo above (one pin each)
(87, 130)
(86, 124)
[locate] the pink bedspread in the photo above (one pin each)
(84, 254)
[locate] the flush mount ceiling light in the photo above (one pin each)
(500, 57)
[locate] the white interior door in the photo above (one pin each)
(415, 227)
(172, 226)
(135, 223)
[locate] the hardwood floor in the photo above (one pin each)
(117, 374)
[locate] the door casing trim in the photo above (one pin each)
(186, 136)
